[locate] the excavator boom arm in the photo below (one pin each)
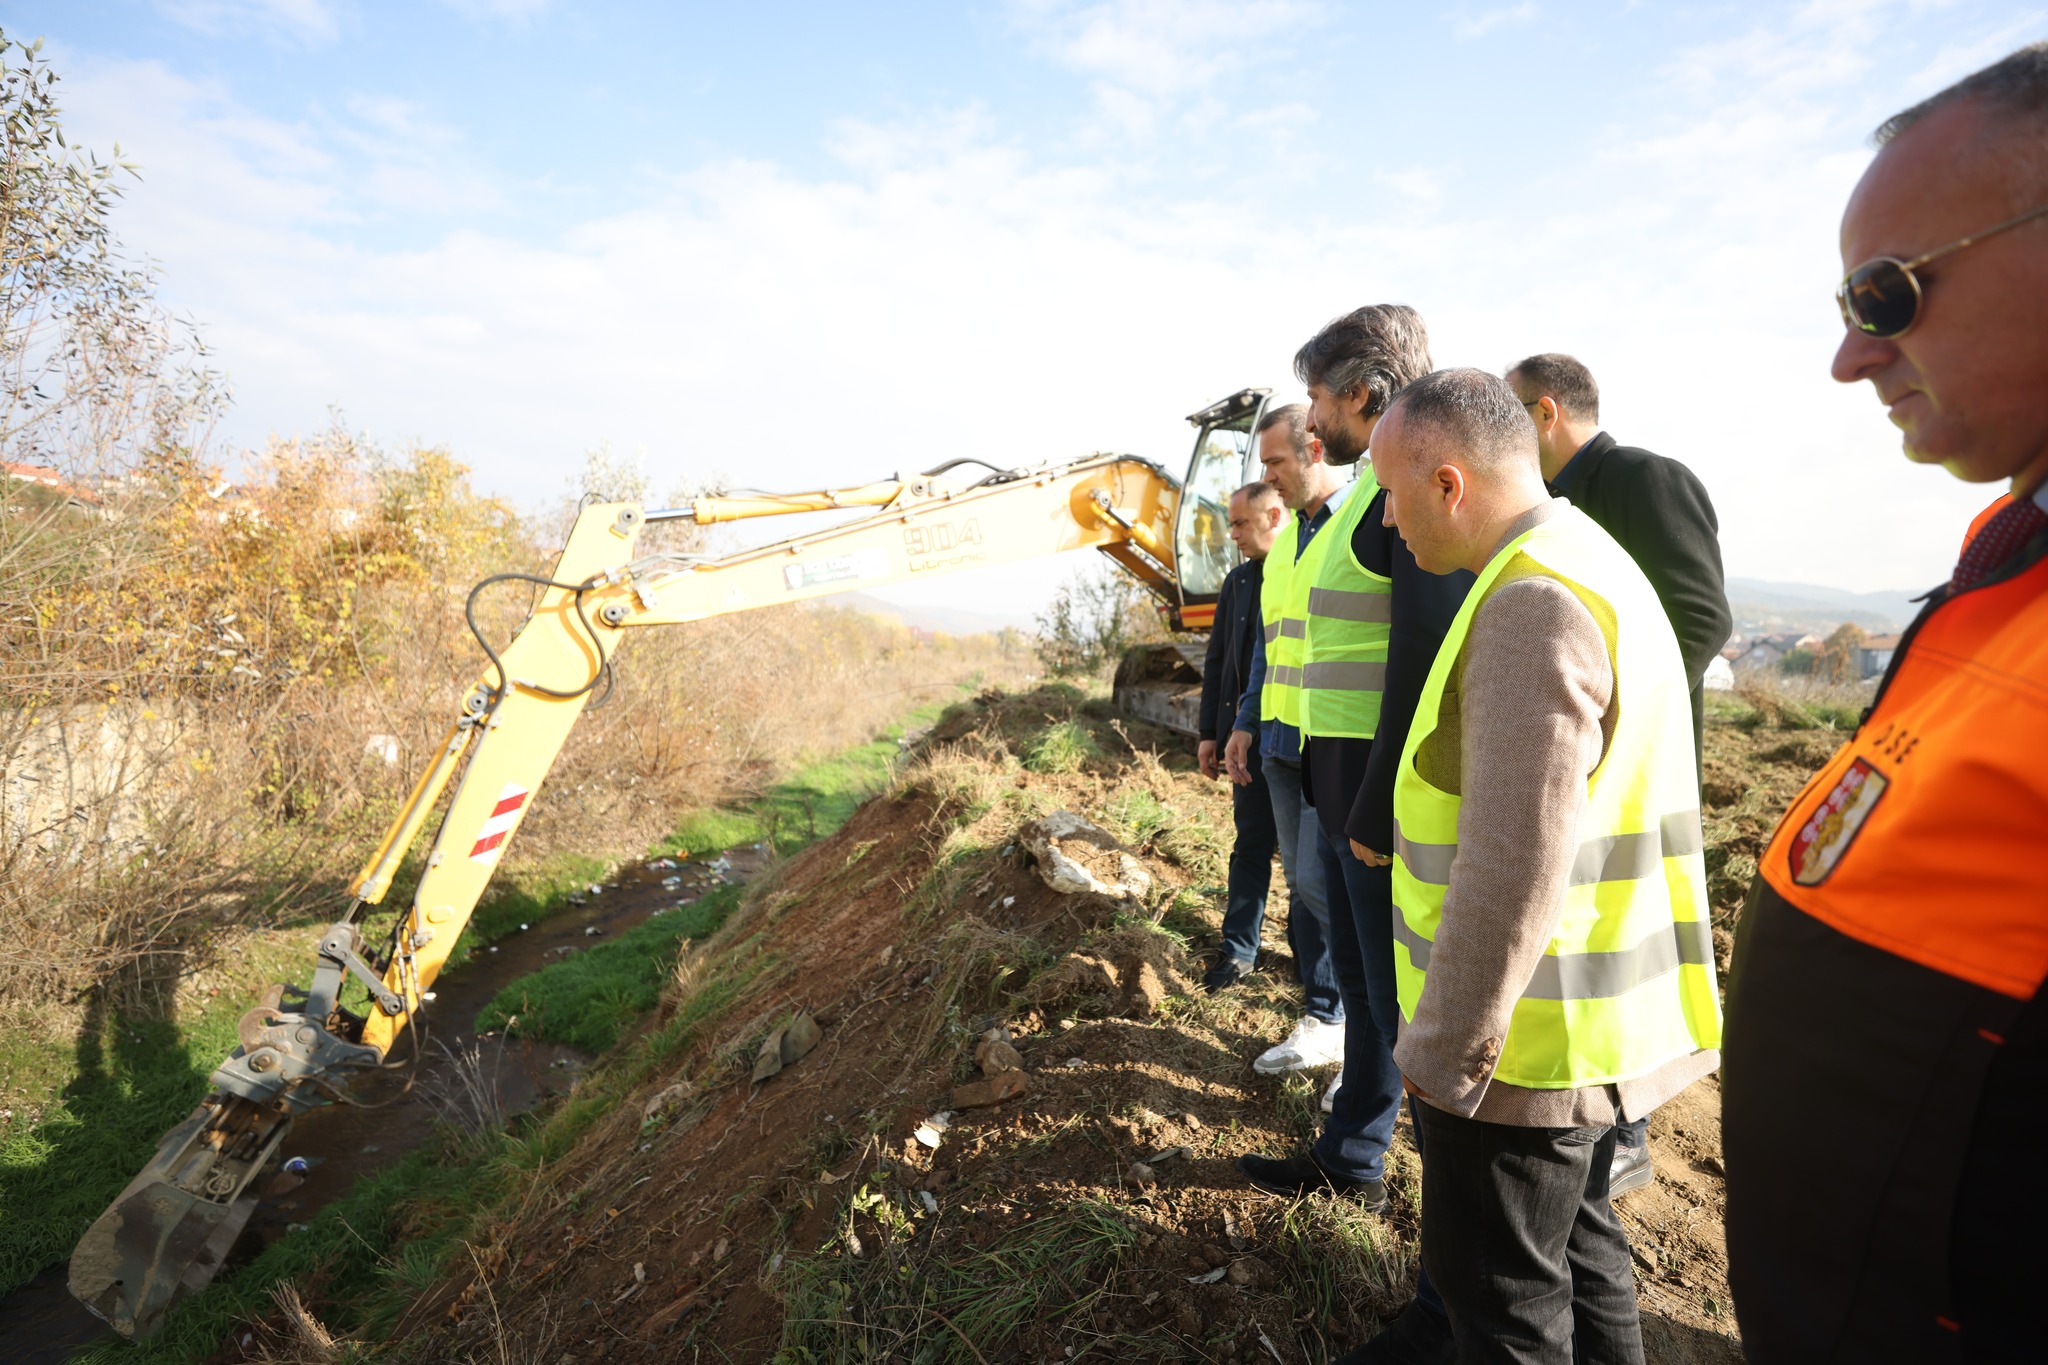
(169, 1230)
(928, 527)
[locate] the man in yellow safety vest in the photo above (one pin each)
(1365, 623)
(1265, 744)
(1555, 962)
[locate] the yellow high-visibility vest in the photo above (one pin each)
(1347, 612)
(1627, 983)
(1280, 696)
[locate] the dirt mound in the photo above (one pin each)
(848, 1208)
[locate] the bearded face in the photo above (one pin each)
(1342, 430)
(1344, 440)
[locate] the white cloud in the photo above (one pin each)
(1422, 183)
(1469, 26)
(501, 11)
(308, 21)
(947, 289)
(1150, 58)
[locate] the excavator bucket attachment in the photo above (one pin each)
(173, 1226)
(1163, 684)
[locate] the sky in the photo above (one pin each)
(798, 245)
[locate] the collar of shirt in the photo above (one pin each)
(1568, 477)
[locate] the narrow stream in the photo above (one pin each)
(42, 1324)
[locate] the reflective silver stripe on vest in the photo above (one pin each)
(1630, 857)
(1293, 628)
(1283, 675)
(1346, 676)
(1611, 858)
(1425, 862)
(1344, 605)
(1595, 976)
(1272, 631)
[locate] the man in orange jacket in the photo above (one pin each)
(1887, 981)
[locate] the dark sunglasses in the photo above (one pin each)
(1882, 296)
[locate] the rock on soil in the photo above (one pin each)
(1078, 857)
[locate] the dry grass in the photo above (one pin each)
(296, 1337)
(207, 711)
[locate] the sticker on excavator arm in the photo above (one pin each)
(498, 828)
(838, 569)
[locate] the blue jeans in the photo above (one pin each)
(1369, 892)
(1355, 1136)
(1251, 866)
(1308, 906)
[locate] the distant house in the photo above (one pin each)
(1765, 651)
(1720, 676)
(1874, 655)
(44, 477)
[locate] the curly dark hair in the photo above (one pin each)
(1377, 348)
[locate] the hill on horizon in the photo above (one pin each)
(1759, 601)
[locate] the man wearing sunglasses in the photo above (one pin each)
(1887, 980)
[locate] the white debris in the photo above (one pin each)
(932, 1131)
(1064, 874)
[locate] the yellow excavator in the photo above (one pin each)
(173, 1226)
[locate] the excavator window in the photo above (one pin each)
(1202, 540)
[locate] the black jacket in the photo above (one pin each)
(1229, 661)
(1660, 513)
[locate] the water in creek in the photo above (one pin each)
(43, 1325)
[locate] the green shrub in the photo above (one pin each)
(1061, 748)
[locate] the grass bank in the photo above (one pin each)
(87, 1089)
(379, 1245)
(587, 1000)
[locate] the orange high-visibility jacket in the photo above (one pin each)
(1897, 929)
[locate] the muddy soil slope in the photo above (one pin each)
(887, 1192)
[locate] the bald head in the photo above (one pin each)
(1456, 453)
(1469, 418)
(2011, 99)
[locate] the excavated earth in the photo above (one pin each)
(858, 1204)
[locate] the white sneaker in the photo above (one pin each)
(1313, 1043)
(1330, 1095)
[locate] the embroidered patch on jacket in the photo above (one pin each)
(1832, 827)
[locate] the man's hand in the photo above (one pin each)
(1205, 759)
(1367, 856)
(1237, 757)
(1412, 1088)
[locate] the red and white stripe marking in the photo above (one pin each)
(498, 828)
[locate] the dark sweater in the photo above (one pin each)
(1229, 662)
(1660, 513)
(1351, 781)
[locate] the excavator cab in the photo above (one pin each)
(1223, 462)
(1163, 683)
